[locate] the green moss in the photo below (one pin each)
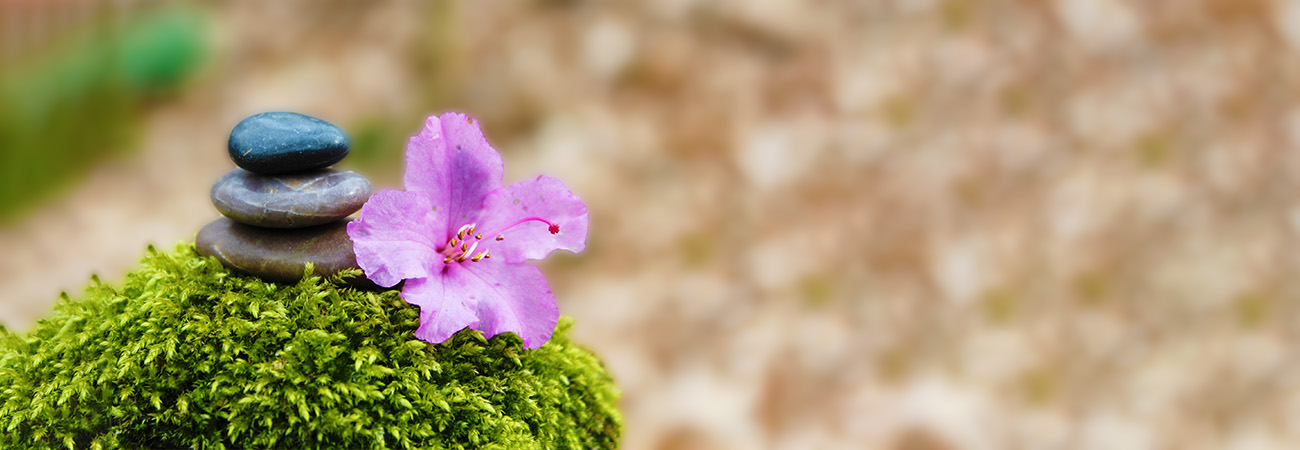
(187, 354)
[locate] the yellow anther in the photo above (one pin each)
(479, 236)
(501, 238)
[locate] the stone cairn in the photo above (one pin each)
(284, 207)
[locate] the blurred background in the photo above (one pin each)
(907, 224)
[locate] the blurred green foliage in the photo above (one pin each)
(75, 101)
(378, 149)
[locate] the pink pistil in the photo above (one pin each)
(554, 228)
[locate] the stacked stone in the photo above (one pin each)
(284, 207)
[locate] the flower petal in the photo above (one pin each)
(441, 315)
(393, 237)
(454, 165)
(543, 197)
(505, 298)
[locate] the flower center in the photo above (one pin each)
(461, 248)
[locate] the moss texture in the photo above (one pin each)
(187, 354)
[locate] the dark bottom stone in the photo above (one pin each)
(280, 255)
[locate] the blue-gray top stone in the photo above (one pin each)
(282, 142)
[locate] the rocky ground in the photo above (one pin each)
(912, 224)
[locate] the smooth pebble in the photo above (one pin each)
(280, 255)
(292, 200)
(282, 142)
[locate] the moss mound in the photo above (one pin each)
(187, 354)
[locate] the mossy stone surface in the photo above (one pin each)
(186, 354)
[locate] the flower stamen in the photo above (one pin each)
(461, 247)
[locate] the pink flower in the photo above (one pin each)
(460, 239)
